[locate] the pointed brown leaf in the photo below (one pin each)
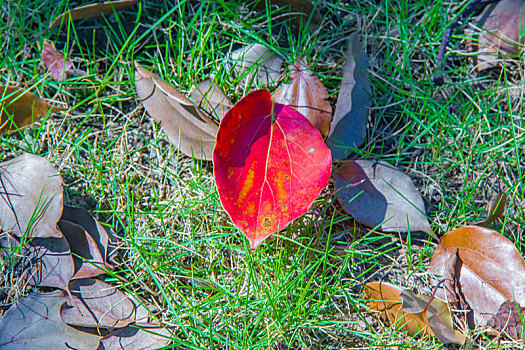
(34, 323)
(255, 64)
(495, 209)
(93, 10)
(348, 127)
(377, 194)
(211, 99)
(97, 304)
(31, 197)
(186, 126)
(20, 108)
(55, 62)
(307, 94)
(131, 338)
(489, 270)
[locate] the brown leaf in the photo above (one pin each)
(83, 245)
(305, 7)
(31, 191)
(307, 94)
(34, 323)
(55, 62)
(21, 108)
(186, 126)
(97, 304)
(414, 313)
(255, 64)
(495, 209)
(211, 99)
(348, 127)
(508, 319)
(104, 237)
(501, 35)
(489, 270)
(131, 338)
(93, 10)
(377, 194)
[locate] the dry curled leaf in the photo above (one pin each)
(496, 208)
(255, 64)
(186, 126)
(21, 108)
(377, 194)
(348, 127)
(55, 62)
(307, 94)
(211, 99)
(32, 202)
(93, 10)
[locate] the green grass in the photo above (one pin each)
(180, 250)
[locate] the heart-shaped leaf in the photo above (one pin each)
(307, 94)
(270, 164)
(377, 194)
(186, 126)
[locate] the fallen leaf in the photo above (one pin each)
(414, 313)
(186, 126)
(508, 319)
(270, 164)
(34, 322)
(501, 32)
(305, 8)
(93, 10)
(495, 209)
(20, 108)
(103, 236)
(91, 262)
(31, 197)
(94, 303)
(348, 127)
(55, 62)
(377, 194)
(131, 338)
(488, 271)
(307, 94)
(255, 64)
(211, 99)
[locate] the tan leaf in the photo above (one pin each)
(21, 108)
(211, 99)
(255, 64)
(186, 126)
(495, 209)
(55, 62)
(307, 94)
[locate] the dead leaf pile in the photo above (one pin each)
(52, 245)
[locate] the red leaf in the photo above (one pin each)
(270, 164)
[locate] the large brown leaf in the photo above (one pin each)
(55, 61)
(379, 195)
(34, 322)
(501, 32)
(93, 10)
(97, 304)
(31, 197)
(414, 313)
(186, 126)
(348, 127)
(20, 108)
(255, 65)
(211, 99)
(487, 272)
(307, 94)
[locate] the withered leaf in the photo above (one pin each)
(104, 237)
(55, 62)
(414, 313)
(305, 7)
(34, 323)
(348, 127)
(97, 304)
(211, 99)
(307, 94)
(508, 319)
(31, 197)
(489, 270)
(377, 194)
(255, 64)
(501, 32)
(93, 10)
(495, 209)
(186, 126)
(20, 108)
(131, 338)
